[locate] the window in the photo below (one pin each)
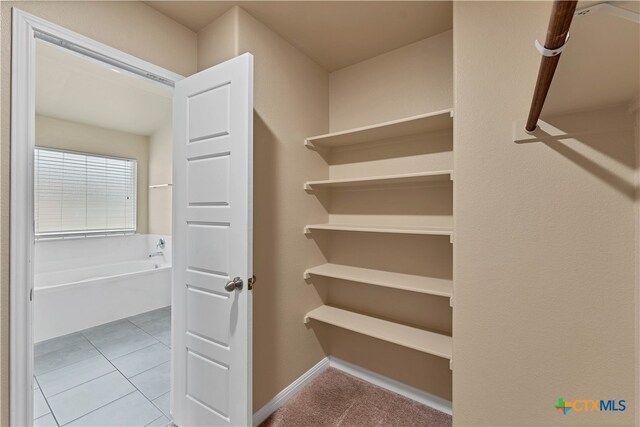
(82, 194)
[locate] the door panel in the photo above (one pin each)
(208, 248)
(212, 169)
(201, 373)
(204, 125)
(212, 232)
(208, 315)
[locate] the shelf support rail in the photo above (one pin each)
(557, 36)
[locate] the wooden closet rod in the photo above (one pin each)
(557, 33)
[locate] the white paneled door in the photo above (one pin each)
(212, 235)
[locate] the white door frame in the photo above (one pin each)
(26, 28)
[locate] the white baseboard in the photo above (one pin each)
(405, 390)
(412, 393)
(286, 394)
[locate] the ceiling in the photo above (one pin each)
(600, 65)
(74, 88)
(335, 34)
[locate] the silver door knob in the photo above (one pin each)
(234, 284)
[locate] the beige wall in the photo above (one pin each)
(129, 26)
(412, 80)
(291, 101)
(160, 172)
(544, 249)
(218, 41)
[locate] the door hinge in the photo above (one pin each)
(252, 281)
(31, 294)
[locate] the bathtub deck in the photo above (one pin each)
(113, 374)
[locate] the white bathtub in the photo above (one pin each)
(80, 283)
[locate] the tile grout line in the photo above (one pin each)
(161, 416)
(147, 370)
(126, 354)
(115, 370)
(94, 410)
(108, 403)
(64, 366)
(170, 360)
(115, 400)
(153, 403)
(131, 352)
(125, 377)
(78, 385)
(127, 319)
(45, 401)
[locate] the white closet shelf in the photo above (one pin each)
(407, 178)
(406, 336)
(415, 125)
(406, 282)
(429, 231)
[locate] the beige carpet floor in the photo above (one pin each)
(335, 398)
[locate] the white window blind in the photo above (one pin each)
(79, 193)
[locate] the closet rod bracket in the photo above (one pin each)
(551, 52)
